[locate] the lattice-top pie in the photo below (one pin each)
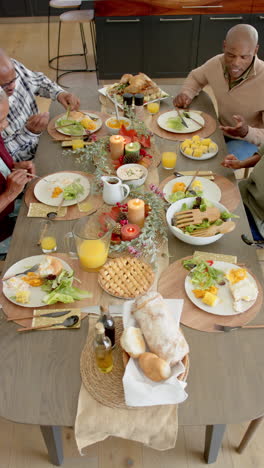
(126, 277)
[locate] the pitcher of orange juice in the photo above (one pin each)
(88, 243)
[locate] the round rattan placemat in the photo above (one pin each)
(60, 137)
(208, 129)
(107, 389)
(230, 195)
(73, 212)
(171, 286)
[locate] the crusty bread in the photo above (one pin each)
(132, 342)
(50, 266)
(154, 367)
(76, 115)
(159, 328)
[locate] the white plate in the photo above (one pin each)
(98, 123)
(225, 304)
(104, 92)
(192, 126)
(36, 292)
(203, 157)
(43, 190)
(210, 189)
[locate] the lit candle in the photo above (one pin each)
(132, 149)
(116, 146)
(136, 211)
(129, 232)
(127, 139)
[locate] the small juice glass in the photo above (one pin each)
(168, 160)
(47, 238)
(153, 107)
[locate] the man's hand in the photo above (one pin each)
(27, 165)
(38, 123)
(240, 130)
(69, 100)
(182, 100)
(15, 182)
(232, 161)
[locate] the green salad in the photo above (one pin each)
(73, 190)
(60, 289)
(70, 127)
(203, 274)
(181, 195)
(202, 204)
(175, 123)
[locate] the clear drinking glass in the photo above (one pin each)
(168, 160)
(47, 237)
(153, 107)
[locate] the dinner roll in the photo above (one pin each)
(154, 367)
(132, 342)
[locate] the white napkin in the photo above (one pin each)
(140, 390)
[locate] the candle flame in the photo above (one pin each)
(130, 229)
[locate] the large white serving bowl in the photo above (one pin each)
(176, 207)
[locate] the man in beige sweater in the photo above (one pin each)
(236, 78)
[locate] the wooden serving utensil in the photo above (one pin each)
(195, 216)
(226, 328)
(213, 230)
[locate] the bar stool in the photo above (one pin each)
(81, 17)
(62, 4)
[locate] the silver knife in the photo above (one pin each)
(48, 314)
(181, 118)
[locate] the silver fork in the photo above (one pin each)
(29, 270)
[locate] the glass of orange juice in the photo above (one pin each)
(88, 243)
(153, 107)
(47, 237)
(168, 160)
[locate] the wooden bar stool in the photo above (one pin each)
(59, 4)
(253, 426)
(82, 17)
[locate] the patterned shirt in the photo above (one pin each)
(19, 141)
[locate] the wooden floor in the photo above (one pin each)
(21, 446)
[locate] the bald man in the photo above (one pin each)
(236, 78)
(25, 123)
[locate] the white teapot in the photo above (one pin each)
(114, 191)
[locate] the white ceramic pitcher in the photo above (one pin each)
(114, 191)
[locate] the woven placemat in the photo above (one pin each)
(60, 137)
(207, 130)
(230, 195)
(73, 212)
(107, 389)
(171, 286)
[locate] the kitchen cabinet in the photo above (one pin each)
(120, 46)
(213, 29)
(171, 45)
(14, 8)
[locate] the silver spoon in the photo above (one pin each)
(68, 322)
(54, 214)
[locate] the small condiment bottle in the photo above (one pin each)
(102, 349)
(108, 322)
(127, 101)
(139, 108)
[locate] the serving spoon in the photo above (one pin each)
(68, 322)
(54, 214)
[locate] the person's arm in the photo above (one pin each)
(22, 144)
(194, 83)
(15, 182)
(233, 162)
(255, 135)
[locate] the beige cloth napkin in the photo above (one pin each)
(156, 426)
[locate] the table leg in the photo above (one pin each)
(213, 440)
(53, 441)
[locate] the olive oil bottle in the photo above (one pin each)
(103, 349)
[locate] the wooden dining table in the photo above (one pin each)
(40, 372)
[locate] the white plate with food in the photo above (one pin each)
(73, 187)
(171, 122)
(231, 298)
(128, 83)
(199, 148)
(174, 190)
(77, 123)
(15, 289)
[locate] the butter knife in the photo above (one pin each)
(50, 314)
(181, 118)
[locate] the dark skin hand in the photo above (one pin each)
(233, 162)
(38, 123)
(182, 100)
(69, 100)
(240, 130)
